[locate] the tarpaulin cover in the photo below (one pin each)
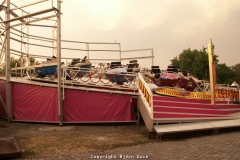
(34, 103)
(3, 95)
(82, 106)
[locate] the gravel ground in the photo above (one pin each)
(38, 139)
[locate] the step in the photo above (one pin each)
(184, 127)
(193, 110)
(171, 115)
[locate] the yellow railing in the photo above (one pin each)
(145, 90)
(231, 93)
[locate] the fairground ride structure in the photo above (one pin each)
(18, 40)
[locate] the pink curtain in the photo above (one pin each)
(82, 106)
(34, 103)
(3, 113)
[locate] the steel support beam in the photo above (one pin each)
(36, 20)
(16, 16)
(60, 97)
(152, 57)
(40, 1)
(8, 84)
(28, 15)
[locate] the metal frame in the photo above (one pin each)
(9, 25)
(8, 84)
(60, 109)
(25, 21)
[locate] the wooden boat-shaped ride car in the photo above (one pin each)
(78, 68)
(48, 68)
(133, 66)
(187, 81)
(168, 78)
(116, 73)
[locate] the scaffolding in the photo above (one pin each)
(45, 15)
(15, 28)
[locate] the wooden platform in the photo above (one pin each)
(80, 85)
(184, 127)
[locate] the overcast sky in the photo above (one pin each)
(167, 26)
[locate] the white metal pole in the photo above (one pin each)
(152, 57)
(53, 37)
(21, 59)
(8, 84)
(60, 109)
(88, 51)
(120, 53)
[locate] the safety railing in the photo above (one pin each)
(97, 76)
(146, 94)
(227, 93)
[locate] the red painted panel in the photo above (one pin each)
(194, 105)
(175, 115)
(182, 104)
(3, 94)
(34, 103)
(188, 100)
(82, 106)
(190, 110)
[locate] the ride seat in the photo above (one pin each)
(115, 65)
(132, 64)
(172, 68)
(155, 70)
(184, 72)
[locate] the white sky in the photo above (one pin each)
(167, 26)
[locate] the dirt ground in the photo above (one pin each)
(37, 140)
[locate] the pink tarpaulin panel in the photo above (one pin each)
(82, 106)
(34, 103)
(3, 95)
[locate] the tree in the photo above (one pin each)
(236, 69)
(32, 61)
(195, 62)
(17, 63)
(224, 74)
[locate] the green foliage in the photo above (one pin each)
(32, 61)
(14, 62)
(236, 69)
(17, 63)
(224, 74)
(195, 62)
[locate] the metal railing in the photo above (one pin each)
(146, 94)
(227, 93)
(99, 76)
